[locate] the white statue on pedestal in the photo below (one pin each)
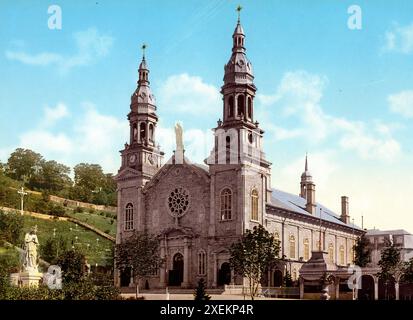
(30, 251)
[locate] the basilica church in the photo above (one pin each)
(199, 210)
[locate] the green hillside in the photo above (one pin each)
(96, 248)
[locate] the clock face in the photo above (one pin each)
(132, 158)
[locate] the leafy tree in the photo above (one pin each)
(141, 253)
(73, 265)
(407, 271)
(23, 164)
(52, 248)
(51, 176)
(389, 263)
(200, 293)
(11, 226)
(362, 251)
(253, 254)
(288, 280)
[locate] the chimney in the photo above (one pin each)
(345, 217)
(310, 206)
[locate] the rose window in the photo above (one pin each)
(178, 202)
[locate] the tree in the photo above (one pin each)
(389, 263)
(288, 280)
(362, 251)
(253, 254)
(23, 164)
(11, 226)
(53, 248)
(407, 271)
(73, 265)
(200, 293)
(140, 252)
(52, 176)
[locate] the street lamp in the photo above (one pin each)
(22, 194)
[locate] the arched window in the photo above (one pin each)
(201, 262)
(241, 105)
(142, 131)
(331, 252)
(151, 132)
(254, 205)
(292, 247)
(129, 217)
(231, 107)
(226, 204)
(342, 255)
(249, 107)
(135, 132)
(306, 250)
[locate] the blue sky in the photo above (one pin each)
(345, 96)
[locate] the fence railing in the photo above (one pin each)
(269, 292)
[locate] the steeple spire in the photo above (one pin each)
(143, 69)
(239, 8)
(306, 164)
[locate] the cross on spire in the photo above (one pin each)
(143, 50)
(239, 8)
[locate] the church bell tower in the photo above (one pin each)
(142, 153)
(237, 162)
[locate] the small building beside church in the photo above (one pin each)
(199, 210)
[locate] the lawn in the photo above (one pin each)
(103, 223)
(96, 248)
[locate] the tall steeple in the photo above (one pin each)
(306, 179)
(238, 89)
(142, 153)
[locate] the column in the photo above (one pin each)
(185, 283)
(396, 286)
(376, 288)
(162, 282)
(269, 278)
(232, 277)
(214, 265)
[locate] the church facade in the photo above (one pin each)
(199, 210)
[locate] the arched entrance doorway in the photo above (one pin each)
(176, 275)
(367, 288)
(278, 278)
(387, 289)
(125, 277)
(224, 274)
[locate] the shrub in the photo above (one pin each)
(79, 210)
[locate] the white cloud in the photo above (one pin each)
(402, 103)
(91, 137)
(189, 94)
(52, 115)
(298, 96)
(399, 39)
(90, 45)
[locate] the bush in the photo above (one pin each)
(79, 210)
(57, 210)
(11, 226)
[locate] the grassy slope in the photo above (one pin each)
(97, 252)
(103, 223)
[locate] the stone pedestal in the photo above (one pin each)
(30, 278)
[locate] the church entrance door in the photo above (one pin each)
(278, 278)
(176, 275)
(125, 277)
(224, 274)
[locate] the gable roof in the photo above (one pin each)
(294, 203)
